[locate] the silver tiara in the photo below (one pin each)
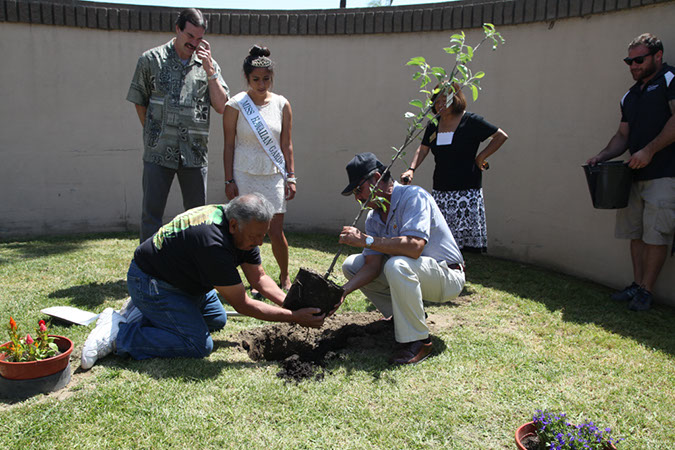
(261, 61)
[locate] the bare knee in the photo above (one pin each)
(276, 231)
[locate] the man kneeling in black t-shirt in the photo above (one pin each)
(174, 279)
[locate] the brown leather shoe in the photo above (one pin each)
(411, 352)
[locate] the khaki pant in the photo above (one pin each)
(401, 287)
(650, 214)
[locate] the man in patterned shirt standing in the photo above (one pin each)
(173, 88)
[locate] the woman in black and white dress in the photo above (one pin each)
(457, 180)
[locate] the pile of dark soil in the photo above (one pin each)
(304, 352)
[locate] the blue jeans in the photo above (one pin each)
(174, 324)
(156, 185)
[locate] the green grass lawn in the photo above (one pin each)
(518, 339)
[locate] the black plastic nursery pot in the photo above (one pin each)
(23, 389)
(310, 289)
(609, 184)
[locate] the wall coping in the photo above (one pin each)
(462, 14)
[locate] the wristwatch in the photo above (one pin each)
(369, 241)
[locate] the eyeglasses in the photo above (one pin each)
(357, 190)
(637, 59)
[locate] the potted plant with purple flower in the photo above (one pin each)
(26, 357)
(552, 430)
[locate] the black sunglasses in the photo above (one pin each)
(357, 190)
(637, 59)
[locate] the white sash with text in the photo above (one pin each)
(261, 130)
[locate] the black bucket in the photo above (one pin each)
(609, 184)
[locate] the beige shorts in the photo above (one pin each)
(272, 187)
(650, 214)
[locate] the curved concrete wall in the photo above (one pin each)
(71, 144)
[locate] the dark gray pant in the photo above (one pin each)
(156, 186)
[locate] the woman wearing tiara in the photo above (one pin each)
(253, 160)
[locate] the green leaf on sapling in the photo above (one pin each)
(464, 58)
(461, 68)
(469, 51)
(474, 92)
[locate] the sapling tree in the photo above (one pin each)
(460, 75)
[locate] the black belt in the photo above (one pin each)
(456, 267)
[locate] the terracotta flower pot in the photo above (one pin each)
(523, 432)
(37, 369)
(528, 430)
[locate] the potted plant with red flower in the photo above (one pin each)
(26, 357)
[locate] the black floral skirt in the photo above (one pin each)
(465, 213)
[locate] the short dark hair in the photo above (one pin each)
(387, 176)
(650, 41)
(458, 101)
(192, 15)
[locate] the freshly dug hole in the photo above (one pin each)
(305, 351)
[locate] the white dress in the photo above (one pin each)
(254, 171)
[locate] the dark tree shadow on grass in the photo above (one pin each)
(580, 301)
(375, 360)
(89, 296)
(38, 249)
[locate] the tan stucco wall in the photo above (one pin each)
(71, 143)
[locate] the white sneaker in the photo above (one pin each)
(102, 338)
(130, 312)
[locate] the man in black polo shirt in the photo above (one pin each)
(174, 279)
(647, 130)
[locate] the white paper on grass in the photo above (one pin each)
(70, 314)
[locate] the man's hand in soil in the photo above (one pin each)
(307, 317)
